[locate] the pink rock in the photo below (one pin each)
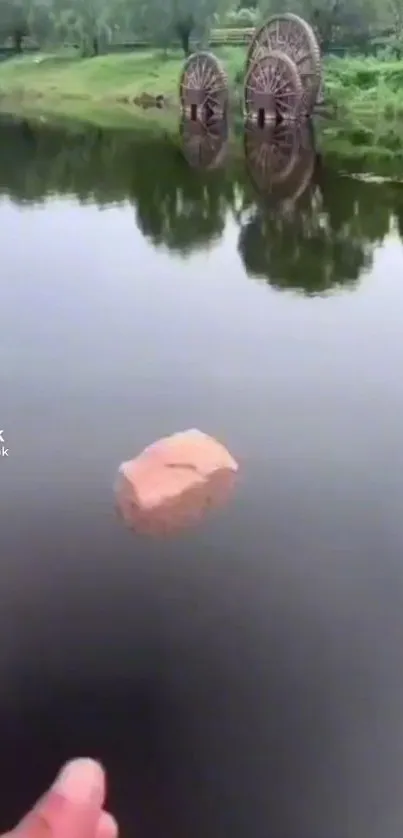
(170, 484)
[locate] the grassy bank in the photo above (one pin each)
(65, 84)
(361, 92)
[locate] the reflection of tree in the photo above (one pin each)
(398, 208)
(294, 253)
(322, 239)
(173, 207)
(182, 211)
(204, 143)
(359, 209)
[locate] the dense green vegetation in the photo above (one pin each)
(95, 25)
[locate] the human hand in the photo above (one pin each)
(72, 808)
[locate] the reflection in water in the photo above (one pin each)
(307, 228)
(205, 143)
(280, 160)
(184, 510)
(288, 237)
(244, 678)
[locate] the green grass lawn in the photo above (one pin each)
(120, 77)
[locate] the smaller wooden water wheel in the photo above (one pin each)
(203, 87)
(292, 35)
(205, 143)
(280, 159)
(273, 89)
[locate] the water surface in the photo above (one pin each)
(244, 678)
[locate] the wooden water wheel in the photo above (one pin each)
(204, 143)
(291, 34)
(203, 87)
(280, 159)
(273, 89)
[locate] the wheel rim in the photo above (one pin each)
(273, 86)
(292, 35)
(203, 85)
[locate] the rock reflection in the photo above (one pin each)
(204, 143)
(280, 160)
(180, 512)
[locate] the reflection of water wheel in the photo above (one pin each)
(280, 159)
(291, 34)
(273, 89)
(270, 153)
(203, 87)
(304, 170)
(204, 143)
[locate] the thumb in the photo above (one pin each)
(71, 808)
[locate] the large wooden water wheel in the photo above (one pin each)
(204, 143)
(203, 86)
(273, 89)
(291, 34)
(280, 159)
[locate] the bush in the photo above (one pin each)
(388, 49)
(243, 19)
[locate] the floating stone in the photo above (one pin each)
(172, 482)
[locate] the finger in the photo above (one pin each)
(107, 826)
(71, 808)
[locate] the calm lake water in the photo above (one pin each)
(244, 678)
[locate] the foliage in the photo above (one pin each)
(337, 20)
(93, 24)
(84, 21)
(363, 86)
(182, 18)
(14, 15)
(242, 19)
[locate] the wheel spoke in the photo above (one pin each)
(203, 75)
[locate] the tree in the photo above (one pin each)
(88, 21)
(14, 21)
(329, 18)
(247, 4)
(168, 20)
(394, 10)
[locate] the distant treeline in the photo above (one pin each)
(218, 37)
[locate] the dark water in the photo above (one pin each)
(243, 679)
